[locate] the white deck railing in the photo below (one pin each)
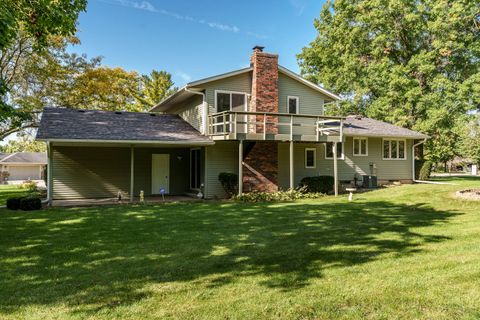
(269, 125)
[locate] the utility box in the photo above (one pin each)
(369, 182)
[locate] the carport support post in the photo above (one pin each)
(49, 174)
(335, 169)
(240, 167)
(132, 171)
(291, 172)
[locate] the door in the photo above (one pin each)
(160, 173)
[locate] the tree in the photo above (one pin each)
(470, 146)
(411, 63)
(36, 78)
(25, 143)
(104, 88)
(154, 88)
(38, 21)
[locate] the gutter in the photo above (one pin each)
(413, 159)
(205, 108)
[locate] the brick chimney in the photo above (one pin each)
(264, 84)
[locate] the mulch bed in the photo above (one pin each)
(469, 194)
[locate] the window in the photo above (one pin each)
(229, 101)
(329, 150)
(195, 168)
(360, 146)
(310, 157)
(394, 149)
(292, 104)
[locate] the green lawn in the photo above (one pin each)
(7, 191)
(409, 252)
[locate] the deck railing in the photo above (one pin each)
(269, 125)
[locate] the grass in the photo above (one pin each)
(7, 191)
(409, 252)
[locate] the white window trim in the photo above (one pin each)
(359, 147)
(190, 169)
(297, 111)
(314, 158)
(342, 157)
(390, 149)
(231, 92)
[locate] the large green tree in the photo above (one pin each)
(154, 88)
(411, 63)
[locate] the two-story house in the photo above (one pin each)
(264, 123)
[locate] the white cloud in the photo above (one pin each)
(148, 6)
(299, 6)
(184, 76)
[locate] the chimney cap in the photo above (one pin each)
(258, 48)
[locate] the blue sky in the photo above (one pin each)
(194, 39)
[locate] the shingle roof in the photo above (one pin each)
(84, 125)
(362, 126)
(24, 157)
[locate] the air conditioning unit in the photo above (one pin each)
(369, 182)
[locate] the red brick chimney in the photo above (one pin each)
(264, 84)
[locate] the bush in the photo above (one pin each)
(425, 171)
(229, 183)
(289, 195)
(30, 203)
(322, 184)
(13, 203)
(30, 186)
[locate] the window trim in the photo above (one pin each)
(231, 92)
(314, 158)
(342, 157)
(398, 148)
(359, 147)
(190, 169)
(297, 111)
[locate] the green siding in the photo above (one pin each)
(310, 100)
(89, 172)
(239, 83)
(386, 169)
(221, 157)
(100, 172)
(191, 111)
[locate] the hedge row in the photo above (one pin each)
(26, 203)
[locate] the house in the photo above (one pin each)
(264, 123)
(20, 166)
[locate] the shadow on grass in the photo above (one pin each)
(95, 258)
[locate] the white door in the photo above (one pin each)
(160, 173)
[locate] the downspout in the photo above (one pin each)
(413, 158)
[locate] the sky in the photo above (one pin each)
(194, 39)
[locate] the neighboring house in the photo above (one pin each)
(264, 123)
(23, 166)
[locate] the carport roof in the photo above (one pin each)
(64, 124)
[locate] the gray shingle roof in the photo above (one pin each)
(84, 125)
(24, 157)
(362, 126)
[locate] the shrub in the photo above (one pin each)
(425, 171)
(322, 184)
(30, 203)
(30, 186)
(13, 203)
(418, 166)
(289, 195)
(229, 183)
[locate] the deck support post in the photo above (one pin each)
(291, 165)
(335, 169)
(49, 174)
(132, 172)
(240, 167)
